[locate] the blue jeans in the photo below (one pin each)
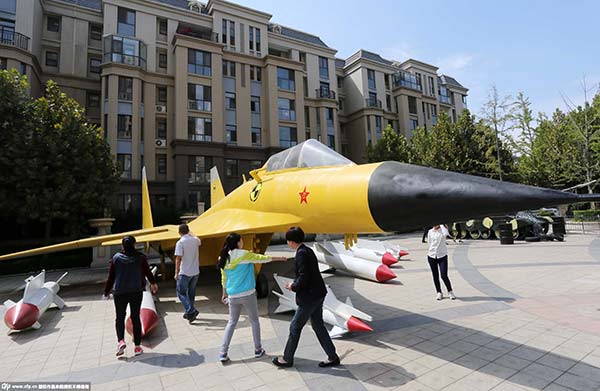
(314, 312)
(186, 291)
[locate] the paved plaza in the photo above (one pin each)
(527, 317)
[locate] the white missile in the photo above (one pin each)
(384, 257)
(382, 247)
(342, 316)
(38, 296)
(148, 314)
(326, 253)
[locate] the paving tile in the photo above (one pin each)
(529, 380)
(556, 361)
(577, 383)
(513, 362)
(498, 371)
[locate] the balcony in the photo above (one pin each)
(325, 93)
(9, 37)
(445, 99)
(197, 32)
(371, 102)
(201, 105)
(408, 80)
(123, 50)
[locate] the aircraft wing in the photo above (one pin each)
(226, 221)
(171, 233)
(83, 243)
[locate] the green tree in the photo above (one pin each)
(496, 115)
(69, 173)
(15, 125)
(391, 146)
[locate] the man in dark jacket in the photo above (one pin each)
(310, 294)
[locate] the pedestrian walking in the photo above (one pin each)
(187, 269)
(437, 256)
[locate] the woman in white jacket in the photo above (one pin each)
(437, 256)
(238, 280)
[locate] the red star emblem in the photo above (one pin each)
(304, 195)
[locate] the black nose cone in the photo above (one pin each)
(403, 196)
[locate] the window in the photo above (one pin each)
(124, 165)
(255, 73)
(255, 104)
(228, 33)
(2, 63)
(255, 164)
(199, 169)
(92, 100)
(288, 137)
(54, 23)
(162, 60)
(125, 88)
(378, 127)
(231, 167)
(413, 123)
(254, 39)
(230, 101)
(318, 118)
(418, 81)
(340, 82)
(95, 32)
(161, 164)
(161, 95)
(386, 78)
(329, 118)
(433, 114)
(95, 65)
(287, 109)
(231, 134)
(199, 129)
(228, 68)
(412, 105)
(371, 79)
(464, 99)
(388, 102)
(199, 97)
(285, 79)
(162, 26)
(307, 117)
(123, 50)
(431, 85)
(161, 128)
(124, 127)
(256, 136)
(23, 68)
(369, 135)
(199, 62)
(341, 104)
(305, 86)
(302, 57)
(126, 22)
(323, 68)
(52, 59)
(372, 100)
(142, 131)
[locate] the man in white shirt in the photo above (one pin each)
(437, 256)
(187, 269)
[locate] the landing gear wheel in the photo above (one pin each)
(262, 286)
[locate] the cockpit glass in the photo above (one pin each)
(310, 153)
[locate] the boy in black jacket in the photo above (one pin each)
(310, 293)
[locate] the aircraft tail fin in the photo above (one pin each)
(146, 208)
(216, 187)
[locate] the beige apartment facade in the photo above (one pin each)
(180, 86)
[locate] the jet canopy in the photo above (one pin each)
(310, 153)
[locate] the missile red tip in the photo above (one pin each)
(21, 316)
(403, 253)
(388, 259)
(384, 273)
(149, 320)
(355, 324)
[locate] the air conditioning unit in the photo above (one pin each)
(161, 109)
(160, 143)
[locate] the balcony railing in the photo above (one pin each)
(408, 80)
(325, 93)
(200, 137)
(371, 102)
(201, 105)
(125, 50)
(9, 37)
(197, 32)
(445, 99)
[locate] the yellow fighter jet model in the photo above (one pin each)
(312, 186)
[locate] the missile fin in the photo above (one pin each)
(60, 303)
(349, 301)
(337, 331)
(33, 285)
(36, 325)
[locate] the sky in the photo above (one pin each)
(542, 48)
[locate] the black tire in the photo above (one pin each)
(262, 286)
(532, 239)
(475, 235)
(486, 234)
(545, 228)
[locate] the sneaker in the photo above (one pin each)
(138, 350)
(330, 363)
(439, 296)
(451, 295)
(192, 317)
(121, 348)
(259, 353)
(185, 316)
(223, 357)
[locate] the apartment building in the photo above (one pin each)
(181, 86)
